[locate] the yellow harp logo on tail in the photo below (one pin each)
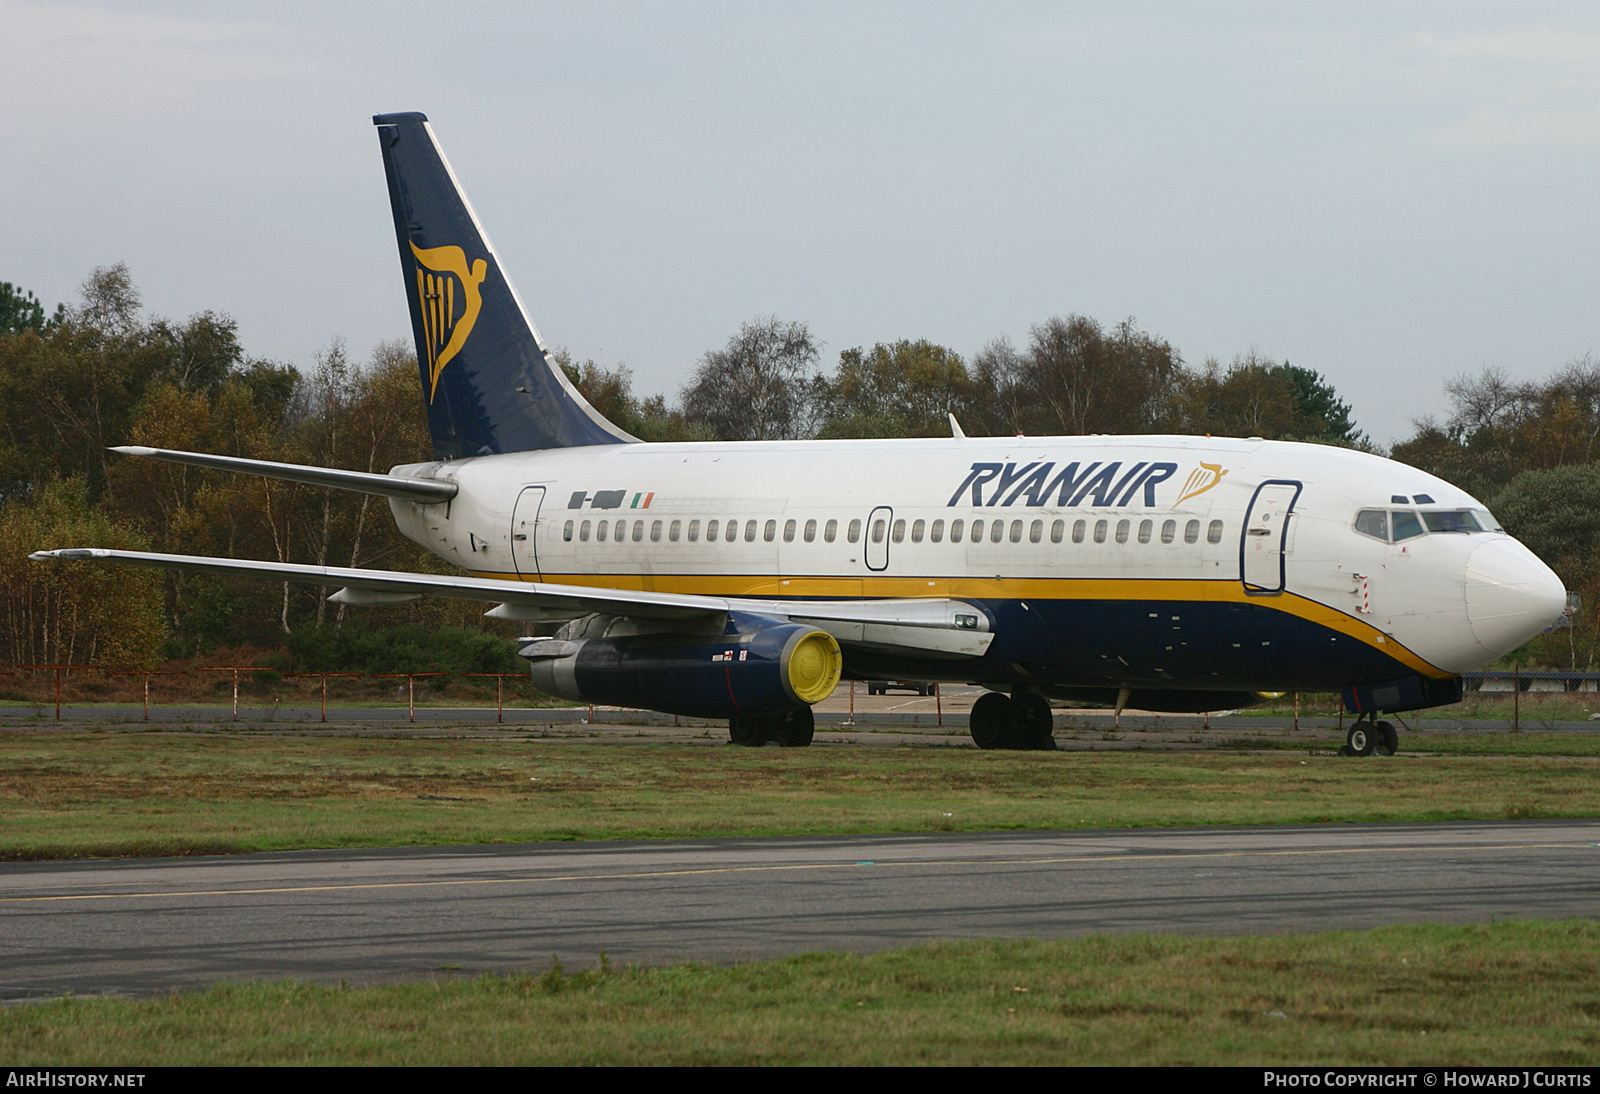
(448, 293)
(1200, 480)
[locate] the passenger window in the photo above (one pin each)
(750, 531)
(1078, 527)
(788, 531)
(853, 533)
(583, 532)
(955, 530)
(711, 531)
(977, 531)
(1406, 525)
(1145, 527)
(768, 533)
(730, 531)
(877, 530)
(694, 530)
(619, 531)
(638, 530)
(1036, 532)
(1057, 530)
(655, 531)
(936, 532)
(916, 531)
(566, 532)
(830, 531)
(1122, 531)
(1099, 531)
(1016, 531)
(898, 533)
(1169, 531)
(1374, 523)
(1191, 532)
(600, 532)
(810, 534)
(1214, 533)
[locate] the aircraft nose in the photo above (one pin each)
(1511, 595)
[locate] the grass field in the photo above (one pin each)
(130, 792)
(1504, 994)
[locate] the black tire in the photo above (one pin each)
(990, 721)
(1360, 739)
(748, 730)
(876, 689)
(1388, 740)
(797, 728)
(1037, 729)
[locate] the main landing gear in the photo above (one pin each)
(791, 729)
(1020, 723)
(1370, 737)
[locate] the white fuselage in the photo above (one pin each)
(1151, 540)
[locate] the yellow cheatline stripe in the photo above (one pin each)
(358, 886)
(1214, 591)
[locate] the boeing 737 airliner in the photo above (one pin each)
(742, 580)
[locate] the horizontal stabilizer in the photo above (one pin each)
(392, 486)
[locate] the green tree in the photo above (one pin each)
(21, 310)
(1556, 514)
(1076, 377)
(610, 391)
(1498, 428)
(895, 389)
(1257, 397)
(74, 612)
(1320, 415)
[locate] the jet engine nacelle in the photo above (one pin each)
(767, 671)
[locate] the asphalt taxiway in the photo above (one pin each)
(371, 916)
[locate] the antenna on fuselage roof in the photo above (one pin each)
(955, 427)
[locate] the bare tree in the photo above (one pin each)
(761, 386)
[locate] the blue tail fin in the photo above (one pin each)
(486, 378)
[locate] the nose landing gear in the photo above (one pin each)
(1370, 737)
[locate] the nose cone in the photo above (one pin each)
(1511, 595)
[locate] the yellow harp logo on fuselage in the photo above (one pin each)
(448, 294)
(1200, 480)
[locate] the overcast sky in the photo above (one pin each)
(1391, 194)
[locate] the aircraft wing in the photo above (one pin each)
(936, 625)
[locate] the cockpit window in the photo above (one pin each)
(1395, 525)
(1406, 525)
(1373, 522)
(1452, 520)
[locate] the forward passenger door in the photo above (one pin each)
(1263, 546)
